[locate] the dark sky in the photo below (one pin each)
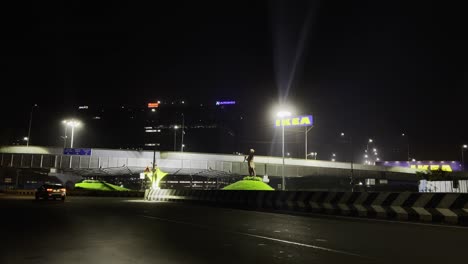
(369, 68)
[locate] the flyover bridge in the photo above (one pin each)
(105, 161)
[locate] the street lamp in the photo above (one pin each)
(71, 123)
(30, 123)
(352, 160)
(464, 146)
(183, 133)
(65, 135)
(307, 129)
(407, 144)
(281, 115)
(175, 137)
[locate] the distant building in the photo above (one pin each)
(206, 127)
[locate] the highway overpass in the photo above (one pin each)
(123, 162)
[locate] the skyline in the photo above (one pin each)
(367, 69)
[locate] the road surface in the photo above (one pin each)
(115, 230)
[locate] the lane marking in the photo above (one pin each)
(258, 236)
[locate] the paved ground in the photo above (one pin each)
(111, 230)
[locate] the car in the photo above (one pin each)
(53, 191)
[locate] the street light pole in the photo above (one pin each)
(72, 136)
(30, 123)
(282, 151)
(72, 124)
(65, 137)
(407, 144)
(307, 129)
(183, 132)
(175, 137)
(281, 115)
(352, 161)
(462, 155)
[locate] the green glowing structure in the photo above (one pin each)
(155, 177)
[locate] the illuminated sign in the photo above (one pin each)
(225, 102)
(295, 121)
(448, 166)
(77, 151)
(153, 105)
(83, 107)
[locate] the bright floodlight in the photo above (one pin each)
(378, 159)
(25, 138)
(375, 150)
(72, 123)
(465, 146)
(333, 160)
(283, 114)
(413, 160)
(402, 134)
(366, 156)
(342, 134)
(334, 155)
(176, 127)
(370, 140)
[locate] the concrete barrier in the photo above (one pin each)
(448, 208)
(82, 193)
(105, 193)
(21, 192)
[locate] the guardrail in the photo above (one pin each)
(406, 206)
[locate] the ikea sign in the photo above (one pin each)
(295, 121)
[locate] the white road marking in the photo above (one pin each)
(258, 236)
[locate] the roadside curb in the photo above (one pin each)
(449, 208)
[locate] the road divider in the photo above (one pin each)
(451, 208)
(21, 192)
(83, 193)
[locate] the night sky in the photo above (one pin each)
(368, 68)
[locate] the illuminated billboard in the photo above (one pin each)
(294, 121)
(153, 105)
(425, 165)
(225, 102)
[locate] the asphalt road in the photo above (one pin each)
(112, 230)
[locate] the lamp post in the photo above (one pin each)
(71, 123)
(65, 135)
(369, 141)
(183, 132)
(175, 137)
(307, 129)
(30, 123)
(352, 160)
(281, 115)
(407, 144)
(464, 146)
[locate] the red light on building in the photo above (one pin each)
(153, 105)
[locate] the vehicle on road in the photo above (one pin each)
(54, 191)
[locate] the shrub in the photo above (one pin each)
(252, 178)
